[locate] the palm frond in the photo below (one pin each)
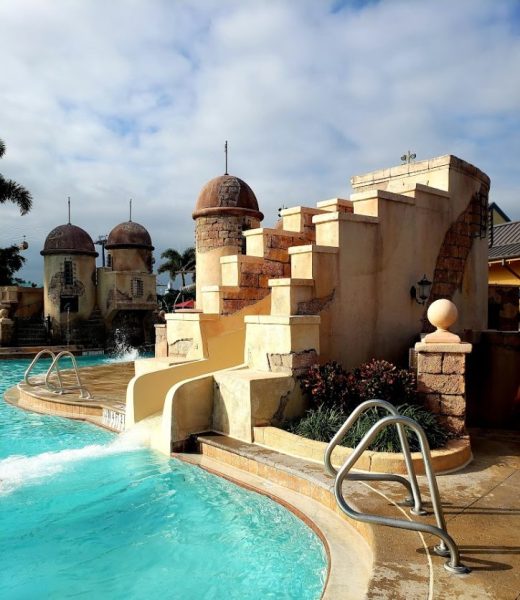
(14, 192)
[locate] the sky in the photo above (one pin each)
(107, 101)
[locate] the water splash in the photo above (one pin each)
(123, 351)
(17, 470)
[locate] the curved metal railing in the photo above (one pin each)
(412, 486)
(60, 388)
(447, 546)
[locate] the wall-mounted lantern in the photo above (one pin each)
(421, 293)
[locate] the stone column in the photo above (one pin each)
(441, 368)
(441, 382)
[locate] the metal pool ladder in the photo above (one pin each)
(84, 394)
(447, 546)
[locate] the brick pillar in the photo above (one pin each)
(441, 382)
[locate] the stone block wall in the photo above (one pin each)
(222, 230)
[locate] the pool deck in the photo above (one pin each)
(106, 383)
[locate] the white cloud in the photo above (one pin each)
(107, 101)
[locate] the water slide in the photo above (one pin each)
(175, 401)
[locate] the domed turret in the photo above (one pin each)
(227, 195)
(129, 247)
(69, 291)
(68, 239)
(129, 235)
(225, 208)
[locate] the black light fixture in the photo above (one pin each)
(421, 293)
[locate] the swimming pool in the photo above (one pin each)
(84, 513)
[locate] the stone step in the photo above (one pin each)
(318, 263)
(273, 244)
(299, 219)
(336, 205)
(291, 296)
(250, 271)
(240, 454)
(225, 300)
(285, 344)
(247, 398)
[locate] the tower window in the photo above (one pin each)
(137, 288)
(109, 260)
(68, 273)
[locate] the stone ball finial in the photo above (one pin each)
(442, 314)
(4, 313)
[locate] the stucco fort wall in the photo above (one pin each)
(424, 214)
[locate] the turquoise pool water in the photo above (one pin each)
(87, 514)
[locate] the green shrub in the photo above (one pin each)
(319, 423)
(387, 440)
(323, 422)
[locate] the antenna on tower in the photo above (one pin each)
(68, 202)
(130, 203)
(226, 154)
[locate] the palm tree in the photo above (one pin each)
(11, 261)
(12, 191)
(178, 264)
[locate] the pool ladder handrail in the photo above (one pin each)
(447, 546)
(60, 388)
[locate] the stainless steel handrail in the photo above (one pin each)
(447, 546)
(411, 485)
(84, 393)
(41, 353)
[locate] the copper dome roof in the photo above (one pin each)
(68, 239)
(227, 195)
(129, 235)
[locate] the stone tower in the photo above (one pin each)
(126, 286)
(69, 287)
(129, 248)
(226, 207)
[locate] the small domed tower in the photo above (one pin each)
(126, 286)
(129, 247)
(69, 290)
(226, 207)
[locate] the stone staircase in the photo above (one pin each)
(245, 277)
(30, 332)
(91, 332)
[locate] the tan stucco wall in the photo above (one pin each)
(23, 302)
(208, 268)
(244, 399)
(84, 273)
(131, 259)
(114, 291)
(372, 313)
